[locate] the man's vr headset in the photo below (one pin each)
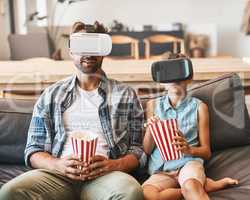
(90, 44)
(173, 70)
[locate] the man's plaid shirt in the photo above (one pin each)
(120, 113)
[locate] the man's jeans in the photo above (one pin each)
(46, 185)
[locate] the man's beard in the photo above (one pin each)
(88, 69)
(91, 70)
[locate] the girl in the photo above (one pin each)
(184, 177)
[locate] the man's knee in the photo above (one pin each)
(133, 192)
(10, 192)
(127, 187)
(116, 185)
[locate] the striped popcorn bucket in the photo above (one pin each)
(163, 132)
(84, 145)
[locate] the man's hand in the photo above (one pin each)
(72, 168)
(181, 143)
(100, 166)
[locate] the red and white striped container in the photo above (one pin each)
(163, 132)
(84, 146)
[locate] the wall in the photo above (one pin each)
(226, 15)
(4, 24)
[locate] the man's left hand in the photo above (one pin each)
(100, 166)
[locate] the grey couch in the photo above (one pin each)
(229, 125)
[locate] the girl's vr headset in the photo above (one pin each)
(90, 44)
(173, 70)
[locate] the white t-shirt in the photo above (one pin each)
(83, 116)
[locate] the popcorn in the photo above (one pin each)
(163, 132)
(84, 145)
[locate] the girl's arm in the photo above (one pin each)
(148, 142)
(204, 150)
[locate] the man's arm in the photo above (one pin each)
(39, 131)
(38, 147)
(42, 160)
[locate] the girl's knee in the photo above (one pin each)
(191, 186)
(150, 193)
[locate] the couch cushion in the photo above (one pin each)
(229, 119)
(15, 116)
(233, 162)
(8, 172)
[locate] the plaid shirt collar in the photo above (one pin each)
(103, 87)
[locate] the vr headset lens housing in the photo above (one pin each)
(90, 44)
(173, 70)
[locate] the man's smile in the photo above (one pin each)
(89, 60)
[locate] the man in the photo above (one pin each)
(90, 102)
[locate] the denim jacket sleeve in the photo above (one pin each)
(39, 133)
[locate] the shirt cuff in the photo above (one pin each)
(139, 154)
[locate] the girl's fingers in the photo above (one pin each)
(178, 138)
(151, 120)
(154, 118)
(180, 144)
(180, 133)
(180, 149)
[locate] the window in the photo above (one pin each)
(41, 6)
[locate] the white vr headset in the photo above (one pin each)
(90, 44)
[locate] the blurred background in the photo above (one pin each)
(34, 40)
(209, 28)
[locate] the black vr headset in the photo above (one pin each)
(173, 70)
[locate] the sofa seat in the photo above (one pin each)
(233, 162)
(218, 167)
(8, 172)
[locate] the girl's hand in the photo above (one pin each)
(151, 120)
(148, 141)
(181, 143)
